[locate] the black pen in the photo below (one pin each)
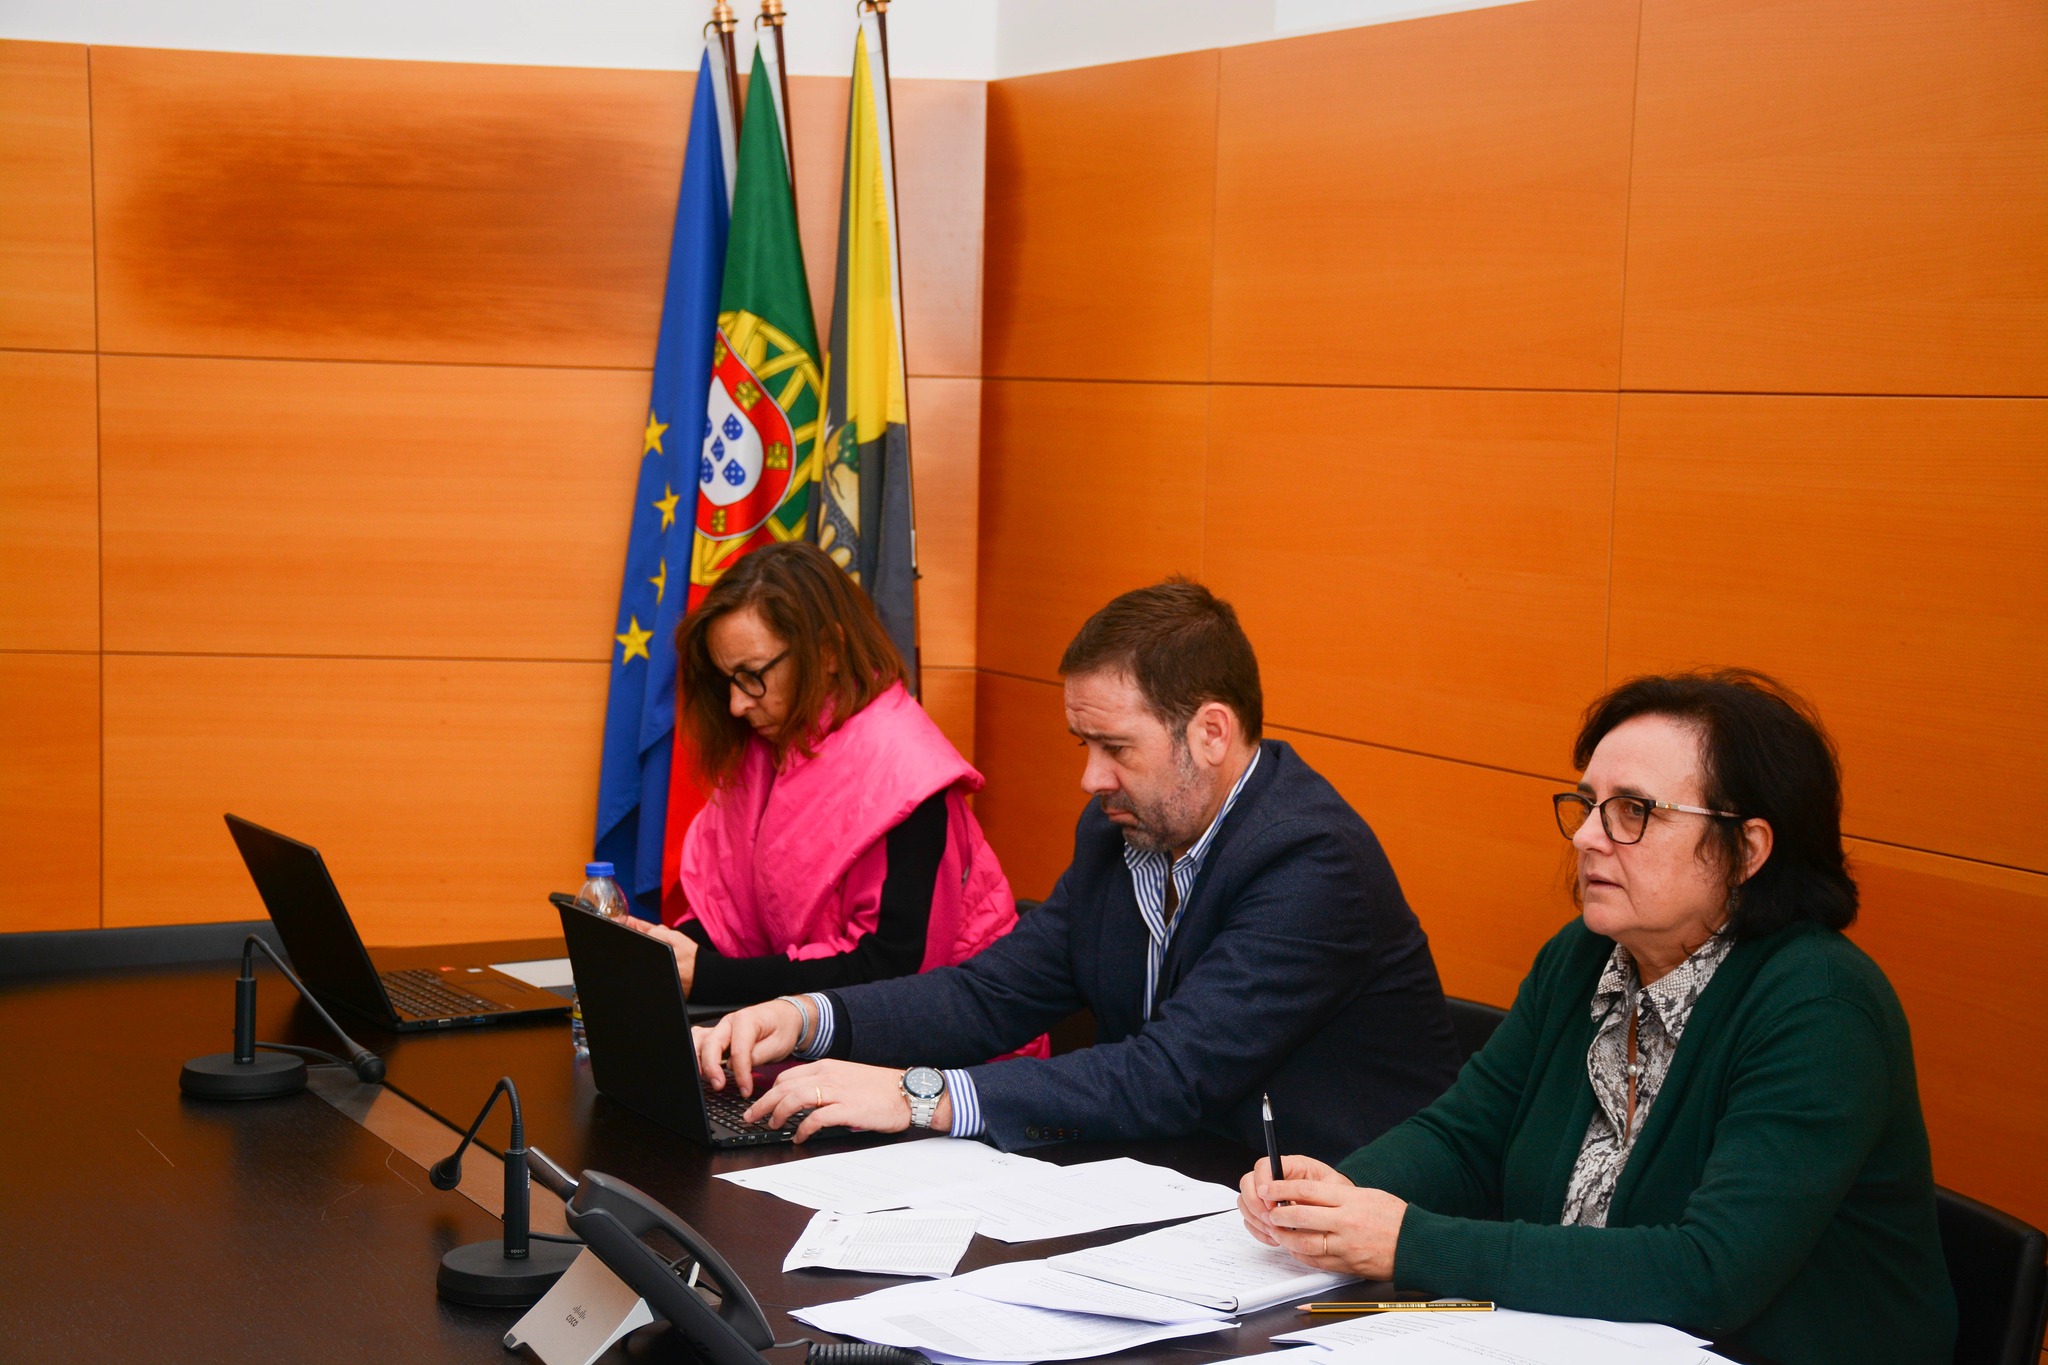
(1272, 1134)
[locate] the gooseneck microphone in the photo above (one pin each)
(513, 1272)
(281, 1069)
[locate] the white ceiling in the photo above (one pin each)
(946, 39)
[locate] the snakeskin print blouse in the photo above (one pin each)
(1664, 1007)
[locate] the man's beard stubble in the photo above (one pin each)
(1168, 822)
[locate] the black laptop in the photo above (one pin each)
(638, 1027)
(328, 953)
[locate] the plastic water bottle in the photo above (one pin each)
(601, 891)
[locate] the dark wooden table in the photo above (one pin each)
(142, 1225)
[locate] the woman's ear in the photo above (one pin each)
(1756, 846)
(837, 652)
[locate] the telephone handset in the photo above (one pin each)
(614, 1219)
(697, 1293)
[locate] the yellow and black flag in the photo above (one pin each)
(866, 522)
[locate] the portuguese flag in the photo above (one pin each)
(758, 459)
(865, 513)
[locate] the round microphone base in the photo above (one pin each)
(480, 1274)
(220, 1077)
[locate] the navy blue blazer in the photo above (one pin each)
(1296, 968)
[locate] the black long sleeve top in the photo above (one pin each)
(895, 948)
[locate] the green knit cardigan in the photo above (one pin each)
(1779, 1200)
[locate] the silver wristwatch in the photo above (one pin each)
(923, 1086)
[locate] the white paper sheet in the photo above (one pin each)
(876, 1178)
(1044, 1200)
(548, 973)
(1213, 1261)
(902, 1243)
(942, 1318)
(1034, 1284)
(1505, 1337)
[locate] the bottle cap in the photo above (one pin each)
(597, 869)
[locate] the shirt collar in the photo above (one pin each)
(1192, 859)
(1620, 981)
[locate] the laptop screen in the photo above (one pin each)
(318, 934)
(636, 1021)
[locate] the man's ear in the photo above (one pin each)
(1211, 731)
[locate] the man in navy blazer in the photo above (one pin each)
(1229, 919)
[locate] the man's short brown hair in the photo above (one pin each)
(1183, 647)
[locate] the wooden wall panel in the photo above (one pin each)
(448, 797)
(945, 459)
(382, 210)
(1440, 202)
(949, 700)
(1840, 196)
(1477, 852)
(818, 117)
(1033, 767)
(295, 507)
(46, 286)
(1885, 556)
(1101, 190)
(941, 171)
(1387, 548)
(49, 791)
(1087, 490)
(1966, 947)
(49, 502)
(941, 142)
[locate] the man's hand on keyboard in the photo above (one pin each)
(842, 1095)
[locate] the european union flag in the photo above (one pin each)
(640, 715)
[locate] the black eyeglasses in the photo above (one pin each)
(1625, 818)
(754, 681)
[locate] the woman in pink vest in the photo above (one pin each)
(837, 846)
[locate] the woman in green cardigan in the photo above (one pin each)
(1701, 1110)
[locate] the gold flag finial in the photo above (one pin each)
(721, 17)
(771, 13)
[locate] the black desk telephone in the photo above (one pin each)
(700, 1297)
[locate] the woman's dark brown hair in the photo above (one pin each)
(840, 658)
(1763, 755)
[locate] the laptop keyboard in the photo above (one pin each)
(423, 993)
(728, 1109)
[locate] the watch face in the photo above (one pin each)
(921, 1082)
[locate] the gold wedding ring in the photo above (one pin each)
(819, 1091)
(1326, 1245)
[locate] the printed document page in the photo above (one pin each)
(902, 1243)
(942, 1319)
(1504, 1337)
(1034, 1284)
(886, 1177)
(1212, 1261)
(1044, 1200)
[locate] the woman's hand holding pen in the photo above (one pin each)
(1321, 1219)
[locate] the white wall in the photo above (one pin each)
(943, 39)
(1056, 35)
(946, 39)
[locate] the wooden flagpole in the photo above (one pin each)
(772, 15)
(722, 20)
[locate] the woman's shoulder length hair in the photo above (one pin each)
(1765, 756)
(840, 658)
